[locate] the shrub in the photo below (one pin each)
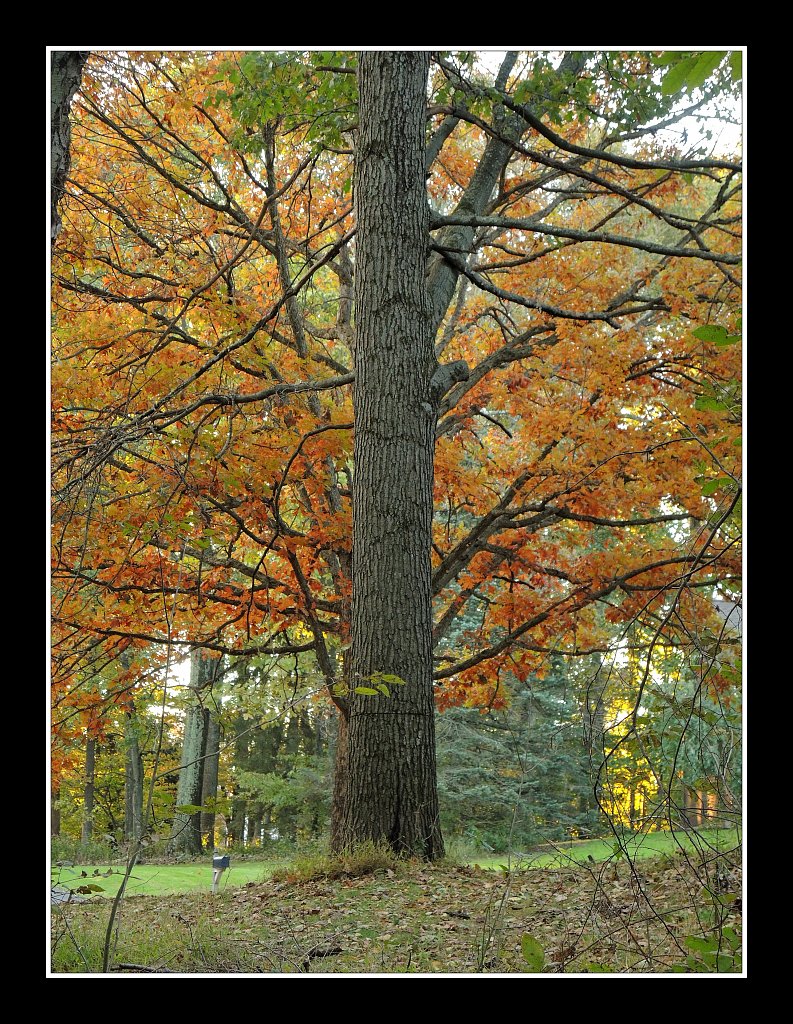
(94, 852)
(365, 859)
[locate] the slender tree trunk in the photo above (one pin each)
(55, 811)
(594, 715)
(324, 730)
(88, 792)
(704, 813)
(209, 788)
(689, 807)
(662, 802)
(308, 733)
(286, 817)
(341, 782)
(186, 830)
(236, 824)
(728, 808)
(696, 808)
(386, 787)
(133, 782)
(255, 825)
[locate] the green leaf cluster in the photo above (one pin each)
(533, 953)
(380, 683)
(716, 954)
(690, 70)
(297, 90)
(716, 335)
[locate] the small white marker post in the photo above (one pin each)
(219, 865)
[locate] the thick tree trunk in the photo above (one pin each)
(186, 829)
(88, 792)
(66, 69)
(386, 781)
(209, 787)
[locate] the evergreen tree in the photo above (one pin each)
(518, 775)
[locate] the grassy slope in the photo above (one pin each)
(637, 847)
(166, 879)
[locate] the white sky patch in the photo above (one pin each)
(711, 132)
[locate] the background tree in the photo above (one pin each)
(520, 775)
(88, 797)
(133, 780)
(281, 764)
(65, 70)
(209, 780)
(187, 824)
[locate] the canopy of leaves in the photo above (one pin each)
(587, 471)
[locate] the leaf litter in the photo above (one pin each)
(608, 917)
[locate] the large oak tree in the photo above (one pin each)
(519, 291)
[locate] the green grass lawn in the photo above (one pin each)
(165, 879)
(162, 879)
(636, 847)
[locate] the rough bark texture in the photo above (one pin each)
(66, 70)
(186, 830)
(386, 786)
